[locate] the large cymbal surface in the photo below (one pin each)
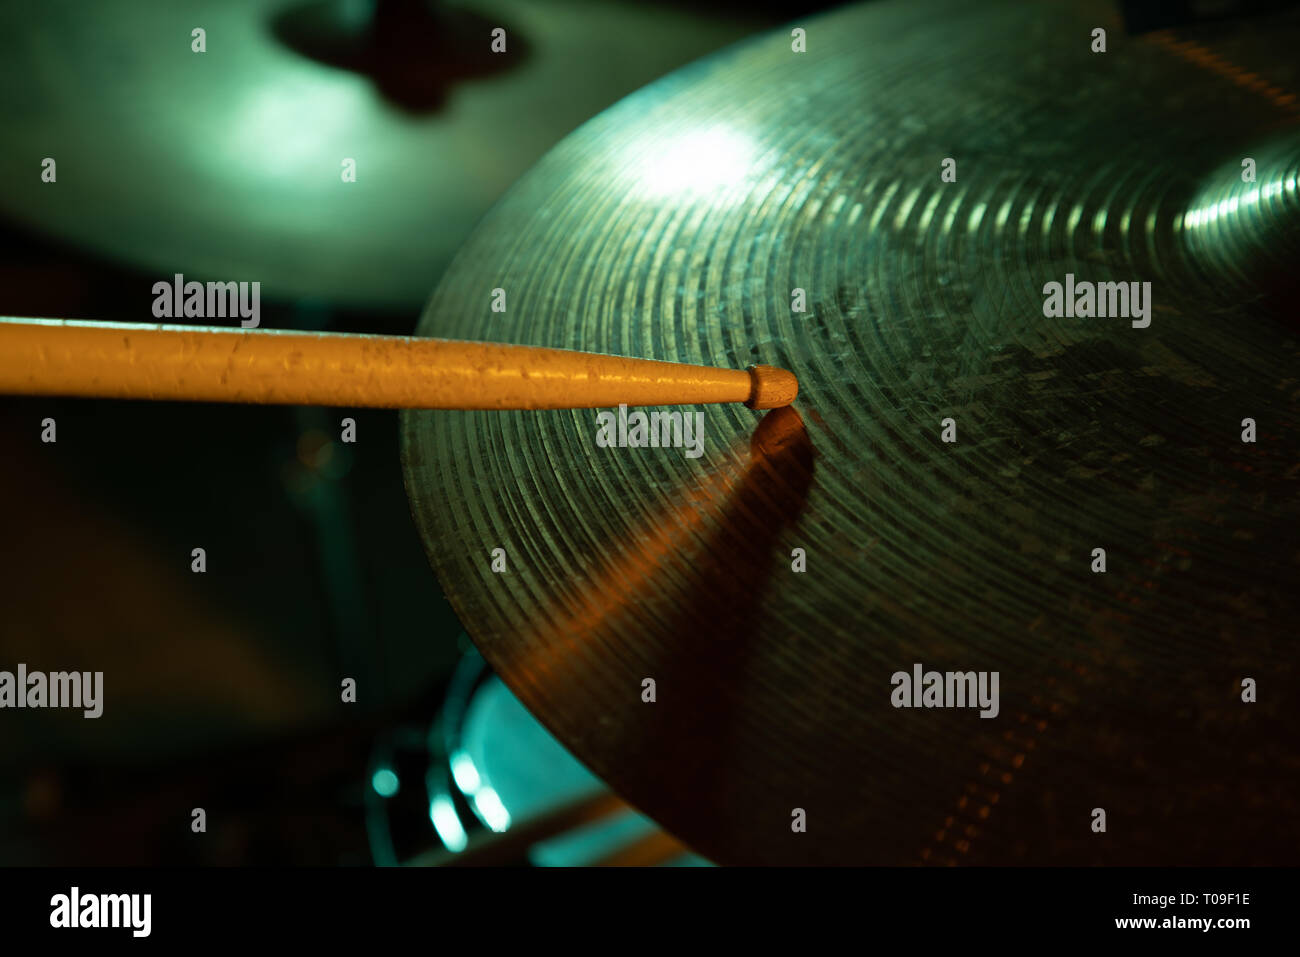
(677, 225)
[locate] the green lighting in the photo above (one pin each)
(384, 782)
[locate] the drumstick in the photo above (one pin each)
(73, 357)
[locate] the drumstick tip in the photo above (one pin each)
(771, 388)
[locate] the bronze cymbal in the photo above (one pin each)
(678, 225)
(227, 164)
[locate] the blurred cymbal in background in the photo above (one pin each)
(228, 163)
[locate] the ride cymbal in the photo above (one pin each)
(961, 449)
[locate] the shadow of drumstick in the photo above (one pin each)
(695, 580)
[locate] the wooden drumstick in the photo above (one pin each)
(175, 363)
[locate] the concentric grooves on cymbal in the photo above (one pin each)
(675, 226)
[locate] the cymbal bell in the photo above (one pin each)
(954, 461)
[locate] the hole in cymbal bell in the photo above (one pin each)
(415, 52)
